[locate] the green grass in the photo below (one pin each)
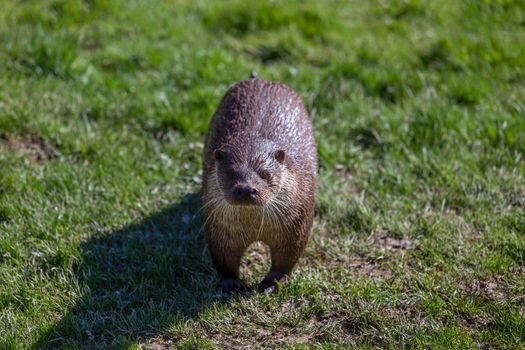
(419, 111)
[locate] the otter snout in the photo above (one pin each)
(244, 194)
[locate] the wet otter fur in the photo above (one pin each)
(259, 179)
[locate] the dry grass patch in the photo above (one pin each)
(30, 146)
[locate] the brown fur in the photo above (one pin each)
(255, 119)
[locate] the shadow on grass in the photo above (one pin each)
(138, 280)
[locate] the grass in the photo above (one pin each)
(419, 111)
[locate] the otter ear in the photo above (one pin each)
(279, 156)
(218, 154)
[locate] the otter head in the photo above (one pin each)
(249, 178)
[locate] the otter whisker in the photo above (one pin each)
(280, 214)
(212, 214)
(213, 201)
(262, 223)
(274, 218)
(277, 217)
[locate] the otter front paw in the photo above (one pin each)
(270, 283)
(233, 286)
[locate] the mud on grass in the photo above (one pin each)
(32, 147)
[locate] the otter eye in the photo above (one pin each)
(279, 156)
(265, 175)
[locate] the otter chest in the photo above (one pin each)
(254, 222)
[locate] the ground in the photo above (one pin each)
(419, 115)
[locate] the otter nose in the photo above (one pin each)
(242, 192)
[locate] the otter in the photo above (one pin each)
(259, 180)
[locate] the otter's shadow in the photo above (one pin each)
(137, 280)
